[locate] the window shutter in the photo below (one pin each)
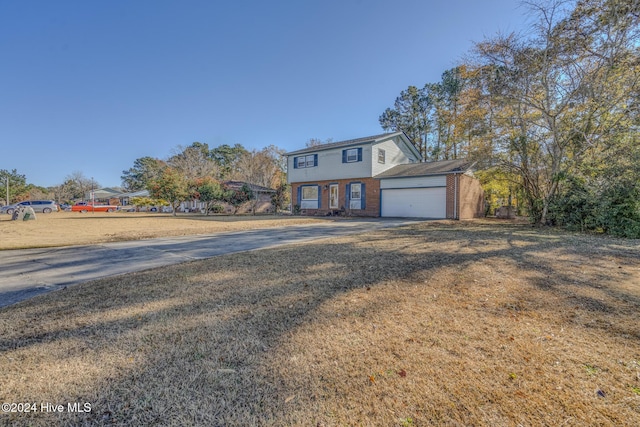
(362, 193)
(344, 156)
(347, 197)
(295, 163)
(299, 196)
(315, 160)
(319, 196)
(360, 154)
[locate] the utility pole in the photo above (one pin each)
(6, 178)
(93, 198)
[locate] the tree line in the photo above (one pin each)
(14, 186)
(193, 172)
(199, 172)
(550, 115)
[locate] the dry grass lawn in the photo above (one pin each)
(74, 228)
(473, 323)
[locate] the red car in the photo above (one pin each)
(90, 207)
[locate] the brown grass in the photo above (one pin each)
(74, 228)
(476, 323)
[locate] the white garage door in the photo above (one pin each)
(415, 202)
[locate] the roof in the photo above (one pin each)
(104, 193)
(141, 193)
(349, 142)
(237, 185)
(442, 167)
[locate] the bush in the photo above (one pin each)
(576, 207)
(612, 207)
(216, 209)
(620, 210)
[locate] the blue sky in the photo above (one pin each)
(91, 86)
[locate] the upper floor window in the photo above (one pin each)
(307, 161)
(381, 156)
(351, 155)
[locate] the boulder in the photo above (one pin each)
(23, 213)
(506, 212)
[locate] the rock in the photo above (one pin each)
(506, 212)
(23, 213)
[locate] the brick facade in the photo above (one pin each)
(465, 197)
(371, 193)
(470, 198)
(451, 196)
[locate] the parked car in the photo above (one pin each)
(91, 207)
(42, 206)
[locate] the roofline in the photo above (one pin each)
(461, 172)
(356, 141)
(424, 174)
(411, 146)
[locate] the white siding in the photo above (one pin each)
(396, 153)
(414, 182)
(330, 166)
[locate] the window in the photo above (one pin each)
(356, 194)
(356, 191)
(310, 161)
(381, 155)
(308, 197)
(310, 193)
(352, 155)
(307, 161)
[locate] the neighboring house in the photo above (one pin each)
(262, 197)
(262, 200)
(104, 195)
(381, 175)
(125, 198)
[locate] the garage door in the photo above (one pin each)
(415, 202)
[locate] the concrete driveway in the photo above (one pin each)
(29, 272)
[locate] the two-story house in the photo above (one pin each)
(381, 175)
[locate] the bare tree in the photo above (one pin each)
(262, 168)
(314, 142)
(194, 161)
(76, 186)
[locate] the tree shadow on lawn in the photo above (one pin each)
(205, 343)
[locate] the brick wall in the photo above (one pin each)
(468, 200)
(451, 197)
(471, 198)
(372, 197)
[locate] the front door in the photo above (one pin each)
(333, 196)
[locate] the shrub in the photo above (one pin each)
(216, 209)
